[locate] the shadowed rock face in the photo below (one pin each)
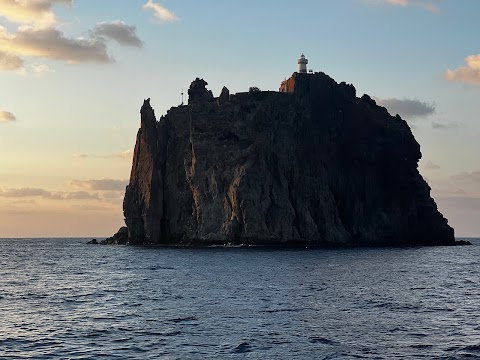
(198, 92)
(312, 164)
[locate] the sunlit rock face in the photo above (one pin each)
(309, 165)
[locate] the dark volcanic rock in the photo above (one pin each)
(462, 242)
(120, 238)
(93, 242)
(198, 92)
(368, 100)
(143, 202)
(224, 96)
(312, 164)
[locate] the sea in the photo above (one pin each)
(64, 299)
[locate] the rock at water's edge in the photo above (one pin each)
(120, 238)
(462, 242)
(311, 164)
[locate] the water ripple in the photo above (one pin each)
(62, 299)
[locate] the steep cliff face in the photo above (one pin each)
(311, 164)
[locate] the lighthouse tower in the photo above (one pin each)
(302, 64)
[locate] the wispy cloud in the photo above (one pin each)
(34, 12)
(91, 208)
(6, 116)
(407, 108)
(470, 73)
(73, 195)
(113, 195)
(37, 192)
(429, 5)
(101, 185)
(468, 176)
(431, 166)
(80, 156)
(40, 69)
(23, 192)
(440, 126)
(124, 155)
(120, 32)
(10, 61)
(446, 188)
(127, 154)
(160, 12)
(463, 203)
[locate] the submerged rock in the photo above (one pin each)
(311, 165)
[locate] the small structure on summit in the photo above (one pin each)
(288, 85)
(302, 64)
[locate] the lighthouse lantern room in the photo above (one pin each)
(302, 64)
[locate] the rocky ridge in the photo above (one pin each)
(312, 164)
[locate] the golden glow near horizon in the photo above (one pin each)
(74, 75)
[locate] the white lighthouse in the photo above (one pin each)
(302, 64)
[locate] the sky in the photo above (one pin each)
(74, 73)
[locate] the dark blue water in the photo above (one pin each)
(63, 299)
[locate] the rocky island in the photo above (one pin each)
(311, 164)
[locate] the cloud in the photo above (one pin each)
(37, 192)
(469, 74)
(80, 156)
(51, 43)
(10, 61)
(463, 202)
(127, 155)
(160, 12)
(444, 187)
(113, 195)
(407, 108)
(74, 195)
(91, 208)
(16, 202)
(40, 69)
(431, 166)
(23, 192)
(36, 12)
(468, 176)
(6, 116)
(38, 36)
(440, 126)
(430, 5)
(101, 185)
(120, 32)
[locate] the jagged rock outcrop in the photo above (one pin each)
(224, 96)
(311, 164)
(198, 92)
(120, 238)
